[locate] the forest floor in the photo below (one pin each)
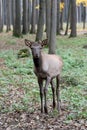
(19, 93)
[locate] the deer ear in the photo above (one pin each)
(28, 43)
(44, 42)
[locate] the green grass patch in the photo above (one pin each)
(19, 90)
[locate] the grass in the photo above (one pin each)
(75, 67)
(19, 90)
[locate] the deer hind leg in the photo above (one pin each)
(40, 82)
(45, 94)
(53, 91)
(58, 93)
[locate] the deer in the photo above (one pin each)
(46, 68)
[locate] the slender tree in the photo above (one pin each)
(1, 17)
(13, 13)
(17, 24)
(48, 18)
(58, 17)
(41, 21)
(33, 19)
(52, 41)
(25, 17)
(37, 11)
(73, 18)
(29, 12)
(79, 13)
(8, 15)
(68, 18)
(84, 16)
(61, 15)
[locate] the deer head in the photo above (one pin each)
(36, 47)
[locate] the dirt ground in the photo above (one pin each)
(35, 120)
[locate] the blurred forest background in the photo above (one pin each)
(23, 16)
(37, 16)
(64, 23)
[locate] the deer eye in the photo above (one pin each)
(41, 47)
(31, 47)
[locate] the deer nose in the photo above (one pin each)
(36, 56)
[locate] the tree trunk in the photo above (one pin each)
(41, 21)
(8, 15)
(52, 41)
(73, 18)
(61, 20)
(37, 11)
(29, 12)
(33, 19)
(61, 17)
(68, 18)
(84, 17)
(25, 16)
(17, 24)
(13, 13)
(58, 17)
(1, 17)
(79, 13)
(48, 18)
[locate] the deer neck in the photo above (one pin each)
(38, 63)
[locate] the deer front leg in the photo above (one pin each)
(40, 82)
(58, 93)
(45, 94)
(53, 91)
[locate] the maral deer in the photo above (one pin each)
(46, 67)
